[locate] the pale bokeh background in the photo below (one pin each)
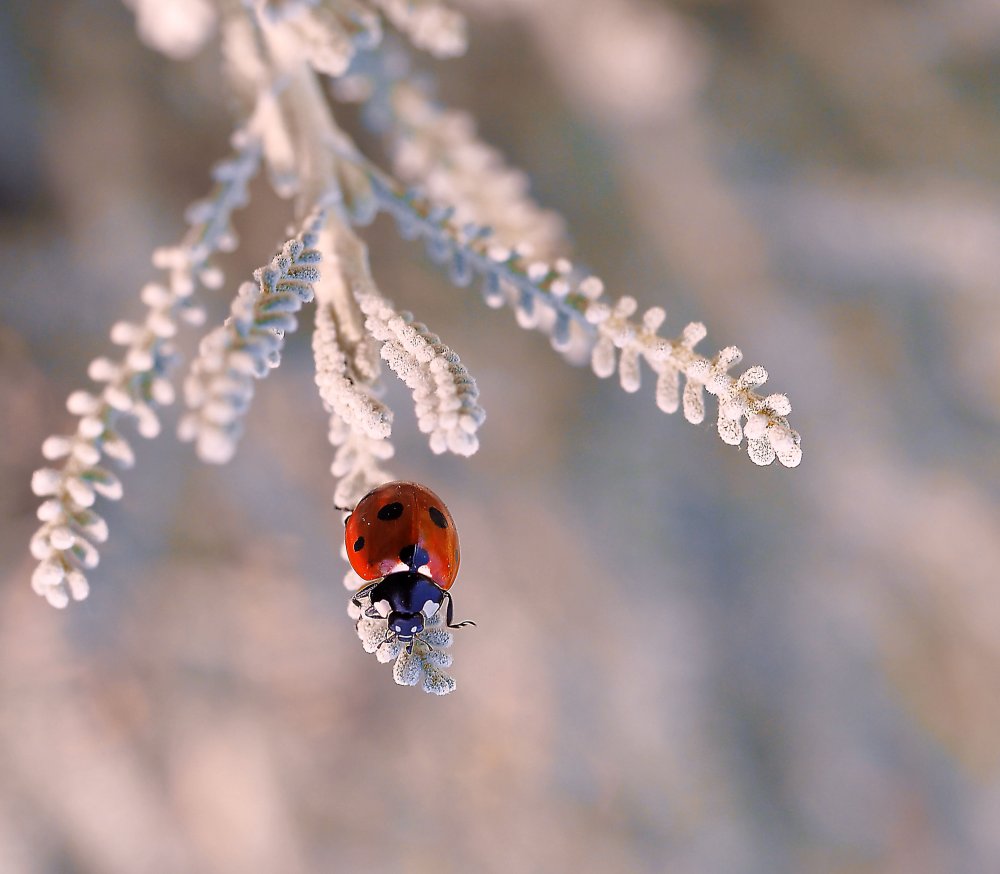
(684, 663)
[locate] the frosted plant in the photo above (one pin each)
(290, 63)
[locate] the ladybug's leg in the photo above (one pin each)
(360, 593)
(449, 616)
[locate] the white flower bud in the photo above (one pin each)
(82, 403)
(46, 481)
(56, 447)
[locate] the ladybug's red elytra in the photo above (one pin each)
(402, 540)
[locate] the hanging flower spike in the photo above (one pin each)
(444, 394)
(339, 387)
(427, 661)
(347, 374)
(219, 387)
(769, 435)
(134, 386)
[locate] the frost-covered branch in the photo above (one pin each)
(476, 217)
(134, 386)
(219, 387)
(566, 302)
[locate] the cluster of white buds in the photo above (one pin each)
(219, 386)
(425, 660)
(444, 394)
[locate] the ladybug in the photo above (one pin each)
(402, 540)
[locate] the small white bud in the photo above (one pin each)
(602, 359)
(46, 576)
(139, 359)
(61, 537)
(49, 511)
(756, 426)
(125, 333)
(668, 389)
(103, 370)
(628, 369)
(80, 492)
(760, 451)
(591, 287)
(118, 398)
(162, 392)
(56, 597)
(156, 296)
(82, 403)
(694, 402)
(56, 447)
(77, 584)
(730, 431)
(90, 428)
(147, 422)
(46, 481)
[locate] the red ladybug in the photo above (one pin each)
(402, 539)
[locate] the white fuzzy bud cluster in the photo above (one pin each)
(134, 386)
(427, 661)
(767, 430)
(219, 386)
(444, 393)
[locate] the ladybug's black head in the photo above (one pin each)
(405, 625)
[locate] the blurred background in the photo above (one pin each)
(684, 662)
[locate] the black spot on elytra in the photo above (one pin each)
(391, 511)
(359, 544)
(414, 556)
(437, 517)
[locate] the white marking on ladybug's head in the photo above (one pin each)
(429, 608)
(399, 566)
(382, 608)
(424, 569)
